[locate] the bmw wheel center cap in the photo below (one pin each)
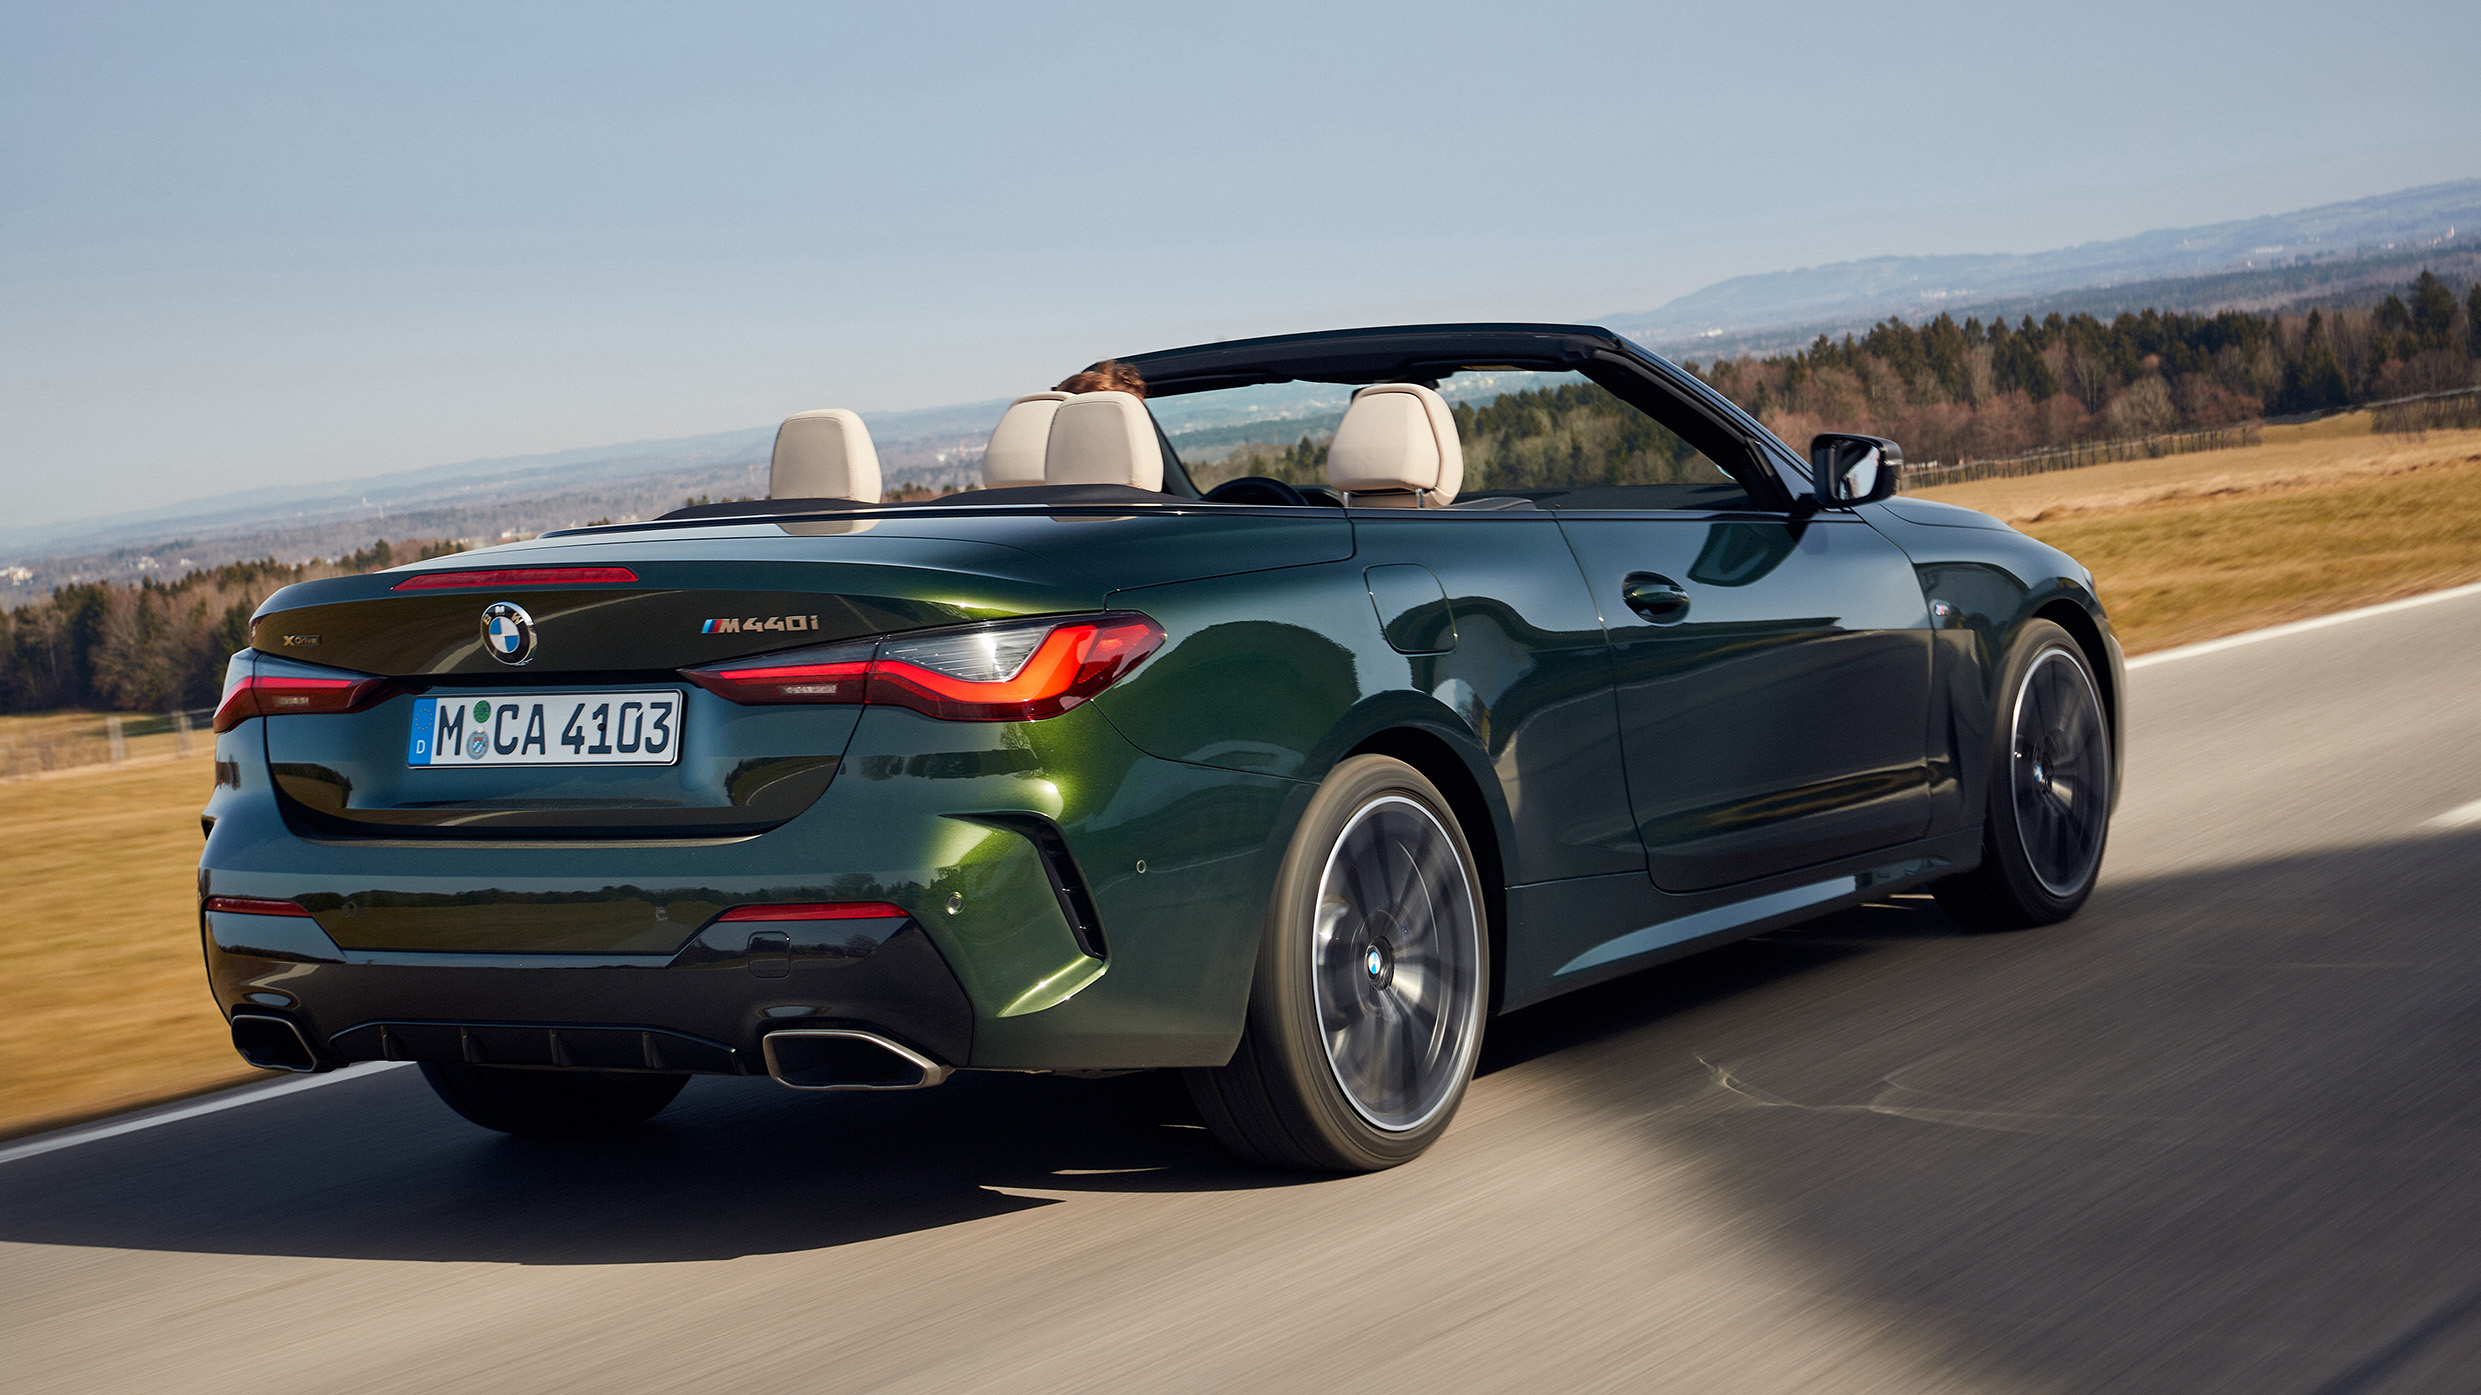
(508, 632)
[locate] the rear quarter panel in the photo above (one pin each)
(1286, 672)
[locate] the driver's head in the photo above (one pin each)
(1110, 375)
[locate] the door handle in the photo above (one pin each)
(1656, 599)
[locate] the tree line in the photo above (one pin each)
(1949, 391)
(154, 646)
(1952, 391)
(1559, 437)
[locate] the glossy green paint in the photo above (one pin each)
(1178, 857)
(658, 623)
(1983, 580)
(1293, 637)
(1528, 683)
(1286, 672)
(895, 826)
(1254, 670)
(1773, 719)
(1181, 934)
(1411, 605)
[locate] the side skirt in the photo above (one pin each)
(1566, 935)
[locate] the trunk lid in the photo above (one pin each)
(695, 594)
(736, 770)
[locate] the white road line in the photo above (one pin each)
(213, 1104)
(2461, 816)
(2343, 617)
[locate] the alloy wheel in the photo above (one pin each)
(2059, 772)
(1397, 964)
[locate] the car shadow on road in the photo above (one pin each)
(378, 1169)
(2216, 1133)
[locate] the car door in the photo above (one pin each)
(1772, 678)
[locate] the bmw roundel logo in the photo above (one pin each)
(508, 632)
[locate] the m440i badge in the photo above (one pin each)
(749, 624)
(508, 632)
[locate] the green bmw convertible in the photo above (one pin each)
(1532, 662)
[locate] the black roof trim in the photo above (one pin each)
(1391, 353)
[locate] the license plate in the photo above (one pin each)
(639, 728)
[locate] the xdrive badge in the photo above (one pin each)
(508, 632)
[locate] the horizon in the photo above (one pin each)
(1792, 335)
(277, 251)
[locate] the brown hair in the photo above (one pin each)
(1110, 375)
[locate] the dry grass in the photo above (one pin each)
(2323, 453)
(2192, 547)
(36, 743)
(108, 1006)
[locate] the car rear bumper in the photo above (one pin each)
(1069, 903)
(697, 1011)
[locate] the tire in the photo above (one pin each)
(1372, 983)
(551, 1103)
(2049, 811)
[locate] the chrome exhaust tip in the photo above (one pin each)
(840, 1058)
(273, 1043)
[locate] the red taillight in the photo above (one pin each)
(1009, 672)
(253, 905)
(817, 910)
(832, 673)
(1072, 664)
(278, 695)
(515, 576)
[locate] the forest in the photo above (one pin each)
(157, 646)
(1950, 392)
(1554, 437)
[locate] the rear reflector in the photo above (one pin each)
(253, 905)
(516, 576)
(266, 695)
(1013, 671)
(817, 910)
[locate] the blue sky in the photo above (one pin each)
(245, 245)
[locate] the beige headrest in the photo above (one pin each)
(1020, 440)
(1103, 438)
(1397, 448)
(824, 455)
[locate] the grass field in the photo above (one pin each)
(107, 1007)
(33, 743)
(2192, 547)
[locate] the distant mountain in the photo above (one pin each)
(1862, 292)
(2353, 282)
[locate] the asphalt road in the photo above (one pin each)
(2220, 1132)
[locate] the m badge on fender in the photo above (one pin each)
(508, 632)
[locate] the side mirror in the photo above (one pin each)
(1848, 470)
